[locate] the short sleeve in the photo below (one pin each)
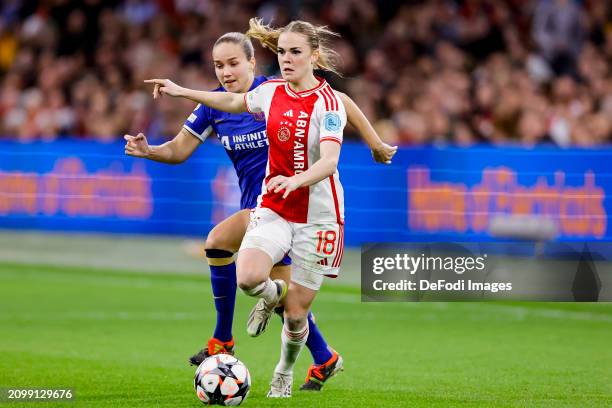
(199, 122)
(332, 119)
(259, 98)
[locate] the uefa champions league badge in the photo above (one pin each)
(332, 122)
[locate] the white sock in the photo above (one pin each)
(291, 345)
(266, 290)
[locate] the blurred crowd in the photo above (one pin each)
(424, 72)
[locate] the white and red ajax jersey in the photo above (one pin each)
(297, 122)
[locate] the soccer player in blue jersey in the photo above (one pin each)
(244, 138)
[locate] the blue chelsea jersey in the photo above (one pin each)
(245, 140)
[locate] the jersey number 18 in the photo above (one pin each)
(326, 242)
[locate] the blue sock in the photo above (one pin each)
(316, 343)
(223, 281)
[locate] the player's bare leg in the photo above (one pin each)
(293, 338)
(253, 273)
(327, 362)
(221, 244)
(228, 234)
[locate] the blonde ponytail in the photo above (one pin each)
(266, 35)
(318, 37)
(329, 60)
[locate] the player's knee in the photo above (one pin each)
(248, 273)
(245, 285)
(248, 283)
(295, 322)
(216, 240)
(295, 316)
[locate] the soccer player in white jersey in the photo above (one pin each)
(301, 208)
(234, 61)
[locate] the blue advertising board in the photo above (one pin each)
(428, 193)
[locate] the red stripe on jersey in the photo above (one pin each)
(291, 92)
(332, 97)
(308, 92)
(340, 253)
(333, 189)
(340, 248)
(325, 99)
(330, 138)
(333, 264)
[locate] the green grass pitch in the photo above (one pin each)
(121, 339)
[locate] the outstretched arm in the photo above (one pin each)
(223, 101)
(174, 151)
(381, 151)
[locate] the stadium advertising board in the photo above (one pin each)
(426, 194)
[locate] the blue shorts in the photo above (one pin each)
(285, 261)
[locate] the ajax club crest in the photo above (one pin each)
(283, 132)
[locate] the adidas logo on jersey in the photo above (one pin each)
(289, 113)
(323, 262)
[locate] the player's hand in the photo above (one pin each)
(137, 146)
(280, 183)
(383, 153)
(164, 86)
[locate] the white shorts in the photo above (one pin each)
(314, 248)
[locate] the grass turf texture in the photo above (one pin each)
(122, 339)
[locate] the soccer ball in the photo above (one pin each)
(222, 379)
